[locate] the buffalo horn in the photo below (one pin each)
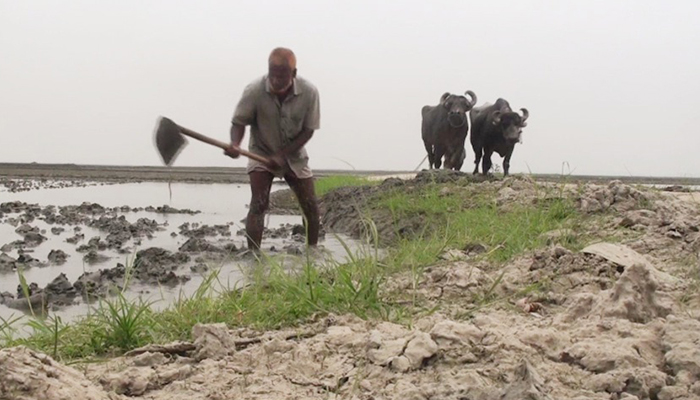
(471, 94)
(525, 115)
(496, 117)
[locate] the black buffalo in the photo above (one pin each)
(495, 127)
(444, 129)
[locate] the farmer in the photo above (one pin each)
(283, 111)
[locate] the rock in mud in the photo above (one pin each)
(35, 302)
(166, 209)
(29, 375)
(93, 257)
(26, 261)
(419, 350)
(60, 291)
(25, 229)
(526, 384)
(7, 263)
(199, 268)
(616, 195)
(682, 354)
(75, 238)
(157, 265)
(57, 257)
(199, 245)
(634, 297)
(132, 382)
(120, 230)
(33, 239)
(196, 231)
(212, 341)
(100, 283)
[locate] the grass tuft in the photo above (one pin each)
(328, 183)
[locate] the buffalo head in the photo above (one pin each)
(510, 123)
(457, 107)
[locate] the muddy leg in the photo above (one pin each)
(437, 157)
(306, 195)
(477, 153)
(486, 163)
(260, 183)
(506, 163)
(431, 156)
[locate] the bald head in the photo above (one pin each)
(283, 57)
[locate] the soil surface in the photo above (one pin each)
(619, 319)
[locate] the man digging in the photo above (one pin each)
(283, 110)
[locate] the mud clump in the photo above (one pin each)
(10, 264)
(15, 207)
(93, 257)
(156, 265)
(94, 244)
(32, 236)
(28, 375)
(166, 209)
(59, 292)
(100, 283)
(616, 195)
(75, 238)
(57, 257)
(120, 230)
(199, 245)
(7, 263)
(197, 231)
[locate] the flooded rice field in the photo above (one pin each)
(73, 241)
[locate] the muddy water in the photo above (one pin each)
(218, 204)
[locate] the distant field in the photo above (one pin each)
(237, 175)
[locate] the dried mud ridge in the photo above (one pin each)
(24, 185)
(151, 266)
(619, 319)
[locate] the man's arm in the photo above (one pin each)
(302, 138)
(237, 134)
(312, 122)
(243, 115)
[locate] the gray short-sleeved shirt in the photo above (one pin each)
(274, 126)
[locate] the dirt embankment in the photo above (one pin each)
(619, 319)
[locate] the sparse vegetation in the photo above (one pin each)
(275, 297)
(328, 183)
(466, 216)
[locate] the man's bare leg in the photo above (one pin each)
(306, 196)
(260, 184)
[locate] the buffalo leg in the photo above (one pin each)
(486, 162)
(506, 163)
(431, 154)
(477, 155)
(439, 152)
(460, 159)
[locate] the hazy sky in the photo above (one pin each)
(613, 87)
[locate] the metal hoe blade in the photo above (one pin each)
(169, 141)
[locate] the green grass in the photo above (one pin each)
(328, 183)
(276, 297)
(466, 216)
